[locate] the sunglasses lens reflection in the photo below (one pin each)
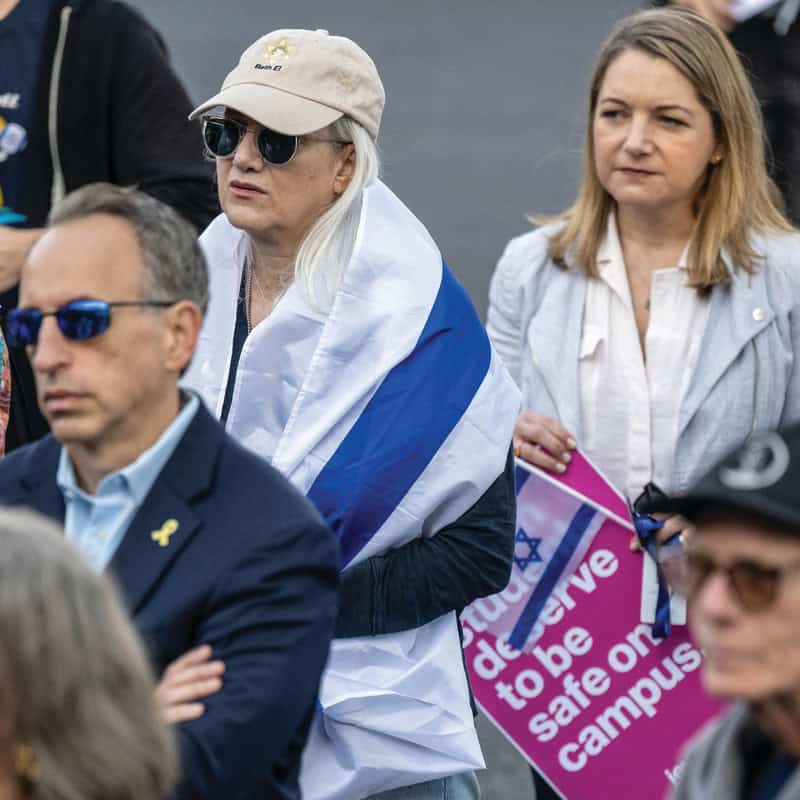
(23, 326)
(221, 137)
(79, 320)
(79, 323)
(276, 148)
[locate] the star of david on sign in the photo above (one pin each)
(532, 545)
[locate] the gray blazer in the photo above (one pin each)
(746, 377)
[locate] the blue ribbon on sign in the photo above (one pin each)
(646, 529)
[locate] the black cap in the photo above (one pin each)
(760, 479)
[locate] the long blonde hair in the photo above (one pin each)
(738, 197)
(326, 249)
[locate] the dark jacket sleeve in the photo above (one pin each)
(155, 146)
(271, 623)
(414, 584)
(135, 107)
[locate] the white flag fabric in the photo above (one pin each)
(392, 413)
(741, 10)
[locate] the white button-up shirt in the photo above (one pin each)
(630, 404)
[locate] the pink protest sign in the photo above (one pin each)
(597, 704)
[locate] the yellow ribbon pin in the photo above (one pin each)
(161, 536)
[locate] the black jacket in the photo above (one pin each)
(120, 115)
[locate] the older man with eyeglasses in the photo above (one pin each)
(743, 586)
(219, 559)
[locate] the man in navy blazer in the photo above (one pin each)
(209, 545)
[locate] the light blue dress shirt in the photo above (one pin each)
(96, 523)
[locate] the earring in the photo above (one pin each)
(716, 159)
(25, 764)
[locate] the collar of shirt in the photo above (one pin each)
(135, 479)
(611, 261)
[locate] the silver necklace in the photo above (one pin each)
(251, 279)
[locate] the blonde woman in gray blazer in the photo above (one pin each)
(674, 176)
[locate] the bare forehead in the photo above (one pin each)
(635, 75)
(109, 228)
(91, 256)
(738, 536)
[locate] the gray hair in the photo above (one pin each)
(76, 690)
(327, 247)
(174, 265)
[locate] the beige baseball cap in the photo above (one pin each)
(298, 81)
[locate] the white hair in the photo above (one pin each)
(326, 249)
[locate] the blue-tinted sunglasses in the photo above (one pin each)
(77, 320)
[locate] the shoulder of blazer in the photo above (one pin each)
(31, 465)
(525, 257)
(776, 279)
(779, 257)
(526, 274)
(192, 467)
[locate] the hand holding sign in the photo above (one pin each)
(592, 698)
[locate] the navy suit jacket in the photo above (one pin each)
(251, 570)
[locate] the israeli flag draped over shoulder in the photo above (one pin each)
(392, 413)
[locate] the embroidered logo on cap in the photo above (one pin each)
(282, 51)
(762, 462)
(276, 56)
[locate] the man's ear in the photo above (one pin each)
(183, 323)
(347, 168)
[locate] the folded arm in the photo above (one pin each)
(270, 624)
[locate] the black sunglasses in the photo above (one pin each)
(754, 585)
(77, 320)
(222, 135)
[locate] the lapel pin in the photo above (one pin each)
(162, 535)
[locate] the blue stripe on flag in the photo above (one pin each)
(405, 422)
(551, 576)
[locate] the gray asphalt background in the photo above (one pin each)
(483, 125)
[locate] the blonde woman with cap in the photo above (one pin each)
(78, 715)
(339, 346)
